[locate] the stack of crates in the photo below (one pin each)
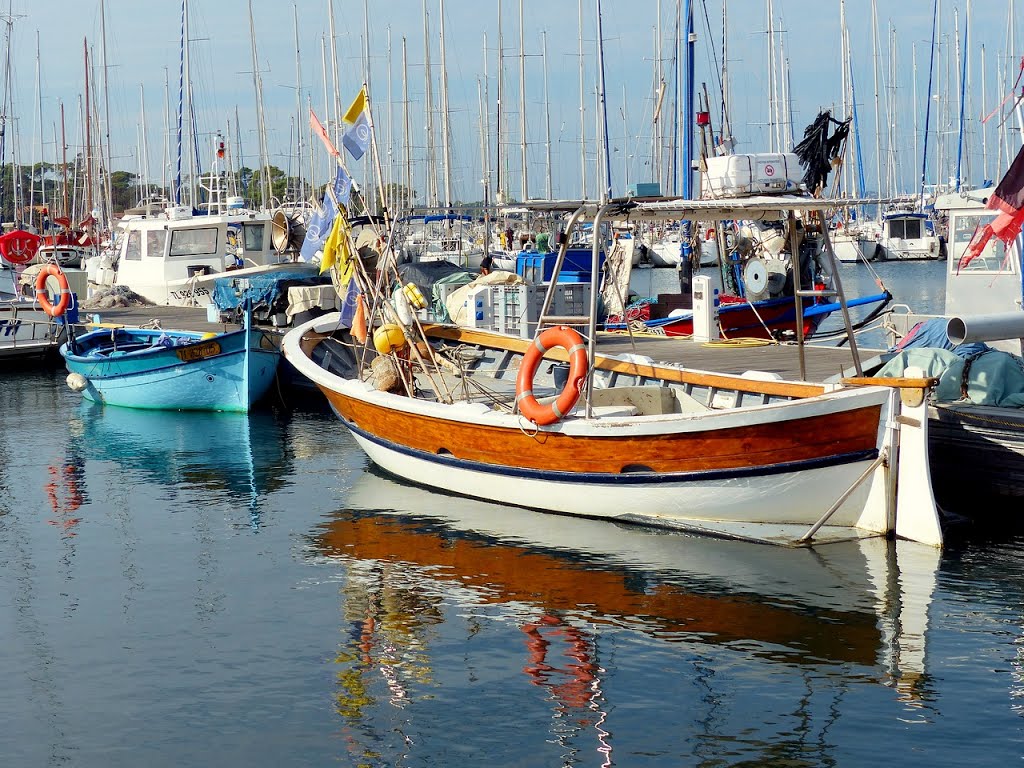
(515, 309)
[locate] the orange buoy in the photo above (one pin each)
(543, 415)
(53, 310)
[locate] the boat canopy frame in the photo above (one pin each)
(758, 208)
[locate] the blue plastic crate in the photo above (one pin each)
(538, 267)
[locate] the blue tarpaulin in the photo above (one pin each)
(263, 290)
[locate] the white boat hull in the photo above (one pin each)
(787, 498)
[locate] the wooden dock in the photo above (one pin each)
(822, 362)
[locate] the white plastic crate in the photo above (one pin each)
(752, 174)
(514, 309)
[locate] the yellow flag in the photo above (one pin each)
(357, 108)
(338, 251)
(331, 244)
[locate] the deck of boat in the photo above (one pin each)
(821, 362)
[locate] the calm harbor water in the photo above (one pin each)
(195, 589)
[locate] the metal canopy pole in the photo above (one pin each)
(798, 292)
(595, 284)
(837, 285)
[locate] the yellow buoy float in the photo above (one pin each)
(415, 296)
(388, 338)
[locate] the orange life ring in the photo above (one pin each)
(543, 415)
(53, 310)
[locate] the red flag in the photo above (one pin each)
(1008, 199)
(318, 127)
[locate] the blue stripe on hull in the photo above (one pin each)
(603, 478)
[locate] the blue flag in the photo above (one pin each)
(320, 223)
(357, 137)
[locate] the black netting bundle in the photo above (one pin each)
(817, 150)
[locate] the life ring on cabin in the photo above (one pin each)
(543, 415)
(53, 310)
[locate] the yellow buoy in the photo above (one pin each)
(415, 296)
(388, 337)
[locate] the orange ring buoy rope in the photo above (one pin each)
(543, 415)
(53, 310)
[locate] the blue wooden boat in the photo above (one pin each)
(172, 370)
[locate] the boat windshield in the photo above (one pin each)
(993, 257)
(194, 242)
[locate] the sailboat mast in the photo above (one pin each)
(928, 108)
(875, 65)
(176, 196)
(501, 177)
(406, 133)
(773, 143)
(144, 186)
(657, 92)
(486, 180)
(962, 57)
(9, 21)
(522, 102)
(1013, 49)
(583, 111)
(605, 164)
(261, 128)
(66, 211)
(428, 105)
(367, 78)
(391, 110)
(38, 132)
(984, 130)
(88, 135)
(688, 105)
(105, 147)
(445, 130)
(547, 117)
(335, 82)
(726, 122)
(299, 122)
(485, 138)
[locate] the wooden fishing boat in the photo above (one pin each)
(654, 444)
(176, 370)
(481, 414)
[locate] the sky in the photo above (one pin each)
(143, 44)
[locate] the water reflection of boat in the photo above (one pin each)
(857, 608)
(231, 454)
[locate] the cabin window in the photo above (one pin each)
(156, 239)
(194, 242)
(993, 256)
(133, 249)
(905, 229)
(252, 236)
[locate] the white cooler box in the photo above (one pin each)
(736, 175)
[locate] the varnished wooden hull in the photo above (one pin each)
(783, 463)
